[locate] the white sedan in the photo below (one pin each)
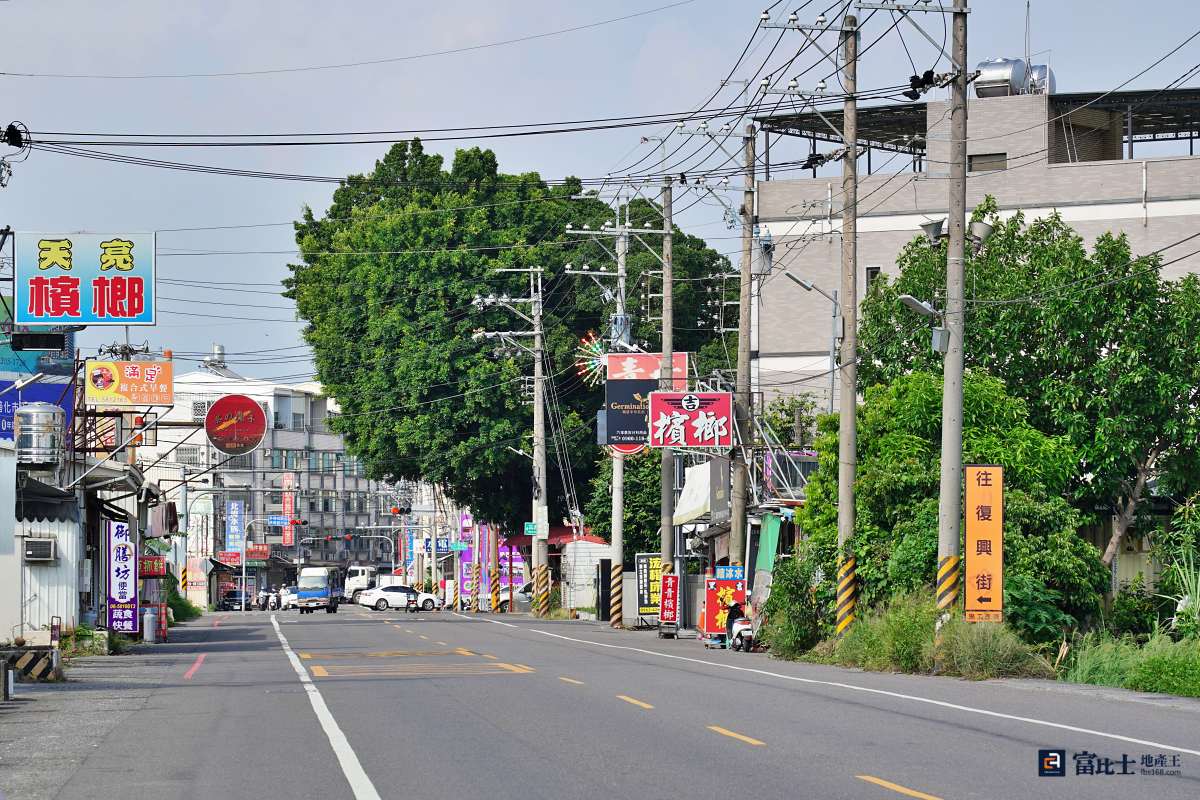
(397, 596)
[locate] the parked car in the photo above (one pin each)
(234, 599)
(397, 596)
(288, 598)
(523, 598)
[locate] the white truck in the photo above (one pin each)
(319, 587)
(358, 580)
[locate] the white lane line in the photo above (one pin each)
(914, 698)
(493, 621)
(356, 776)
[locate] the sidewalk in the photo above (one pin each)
(49, 729)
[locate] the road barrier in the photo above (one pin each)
(494, 585)
(847, 594)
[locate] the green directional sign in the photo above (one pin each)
(531, 529)
(255, 563)
(458, 545)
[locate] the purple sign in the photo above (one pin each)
(122, 578)
(507, 554)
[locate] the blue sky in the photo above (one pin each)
(667, 61)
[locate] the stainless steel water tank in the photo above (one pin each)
(1041, 79)
(38, 429)
(1001, 77)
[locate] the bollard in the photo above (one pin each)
(149, 625)
(6, 678)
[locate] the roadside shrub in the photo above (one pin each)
(983, 650)
(182, 608)
(794, 610)
(1168, 667)
(1034, 611)
(1185, 576)
(1134, 611)
(897, 638)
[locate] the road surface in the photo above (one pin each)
(366, 704)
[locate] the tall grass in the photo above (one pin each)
(1161, 665)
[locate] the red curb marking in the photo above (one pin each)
(187, 676)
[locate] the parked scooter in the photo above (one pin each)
(739, 630)
(263, 599)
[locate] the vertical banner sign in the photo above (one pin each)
(668, 599)
(648, 571)
(719, 595)
(84, 279)
(235, 525)
(288, 484)
(984, 574)
(122, 578)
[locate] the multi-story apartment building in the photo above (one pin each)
(300, 452)
(1097, 158)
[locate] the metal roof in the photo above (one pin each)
(1156, 114)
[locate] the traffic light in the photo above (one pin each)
(297, 522)
(349, 537)
(329, 538)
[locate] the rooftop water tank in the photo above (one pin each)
(1041, 79)
(1001, 77)
(38, 429)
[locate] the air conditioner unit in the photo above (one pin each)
(41, 550)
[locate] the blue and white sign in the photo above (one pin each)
(409, 553)
(731, 573)
(58, 394)
(443, 543)
(235, 525)
(84, 278)
(277, 520)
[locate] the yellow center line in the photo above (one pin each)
(570, 680)
(320, 672)
(895, 787)
(462, 651)
(633, 701)
(735, 735)
(489, 655)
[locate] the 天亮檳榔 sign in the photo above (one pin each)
(84, 279)
(235, 424)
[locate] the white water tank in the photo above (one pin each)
(1001, 77)
(1041, 79)
(38, 432)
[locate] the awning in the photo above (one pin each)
(38, 500)
(693, 500)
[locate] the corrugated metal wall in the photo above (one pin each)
(52, 587)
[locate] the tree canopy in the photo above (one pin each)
(1101, 347)
(386, 282)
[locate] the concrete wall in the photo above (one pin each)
(11, 595)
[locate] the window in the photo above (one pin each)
(245, 461)
(872, 274)
(276, 498)
(987, 162)
(292, 458)
(327, 461)
(277, 459)
(297, 421)
(190, 455)
(314, 461)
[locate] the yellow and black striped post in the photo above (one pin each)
(494, 585)
(847, 595)
(457, 598)
(542, 587)
(615, 611)
(947, 596)
(183, 580)
(475, 587)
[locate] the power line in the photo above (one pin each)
(352, 64)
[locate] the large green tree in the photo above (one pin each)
(899, 443)
(1101, 347)
(386, 282)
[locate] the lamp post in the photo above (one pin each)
(809, 286)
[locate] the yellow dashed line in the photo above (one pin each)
(320, 672)
(895, 787)
(489, 655)
(462, 651)
(570, 680)
(738, 736)
(633, 701)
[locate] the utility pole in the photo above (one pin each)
(847, 583)
(739, 524)
(620, 333)
(950, 495)
(666, 374)
(541, 513)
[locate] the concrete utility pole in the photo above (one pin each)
(666, 379)
(621, 333)
(541, 512)
(950, 496)
(738, 526)
(847, 585)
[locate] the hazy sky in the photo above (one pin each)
(664, 62)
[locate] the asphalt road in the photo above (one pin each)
(368, 704)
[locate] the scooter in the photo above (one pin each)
(741, 636)
(273, 601)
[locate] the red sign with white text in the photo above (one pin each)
(718, 597)
(668, 599)
(691, 419)
(646, 366)
(258, 552)
(231, 557)
(152, 566)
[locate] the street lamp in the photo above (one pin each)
(940, 338)
(809, 286)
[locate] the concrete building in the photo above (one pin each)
(300, 452)
(1095, 158)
